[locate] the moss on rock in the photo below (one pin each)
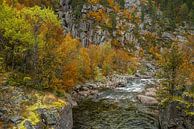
(27, 103)
(43, 101)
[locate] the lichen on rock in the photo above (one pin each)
(33, 109)
(48, 102)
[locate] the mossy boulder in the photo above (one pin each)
(30, 109)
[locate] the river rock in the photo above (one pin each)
(16, 119)
(93, 92)
(168, 36)
(92, 85)
(85, 88)
(84, 93)
(28, 125)
(74, 103)
(150, 92)
(138, 75)
(147, 100)
(181, 39)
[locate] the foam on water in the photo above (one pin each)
(128, 91)
(137, 85)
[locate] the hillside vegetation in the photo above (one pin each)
(36, 53)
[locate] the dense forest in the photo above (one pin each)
(55, 45)
(178, 10)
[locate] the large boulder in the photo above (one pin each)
(25, 108)
(147, 100)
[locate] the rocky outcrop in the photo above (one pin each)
(25, 108)
(66, 118)
(81, 27)
(90, 31)
(172, 117)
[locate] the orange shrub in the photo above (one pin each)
(100, 16)
(67, 59)
(94, 54)
(123, 61)
(84, 64)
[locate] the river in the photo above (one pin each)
(117, 109)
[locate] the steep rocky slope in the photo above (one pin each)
(87, 29)
(129, 25)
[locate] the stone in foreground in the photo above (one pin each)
(31, 109)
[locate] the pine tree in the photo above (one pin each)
(177, 78)
(183, 12)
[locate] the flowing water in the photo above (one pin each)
(117, 109)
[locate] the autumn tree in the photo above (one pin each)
(177, 78)
(26, 45)
(18, 34)
(68, 63)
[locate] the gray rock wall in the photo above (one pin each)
(66, 119)
(87, 30)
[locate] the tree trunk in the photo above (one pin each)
(36, 28)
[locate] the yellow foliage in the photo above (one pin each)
(30, 3)
(127, 14)
(114, 5)
(107, 55)
(84, 60)
(155, 52)
(93, 1)
(67, 59)
(110, 59)
(187, 69)
(124, 61)
(100, 16)
(68, 46)
(94, 53)
(70, 74)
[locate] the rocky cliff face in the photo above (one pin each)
(90, 31)
(75, 20)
